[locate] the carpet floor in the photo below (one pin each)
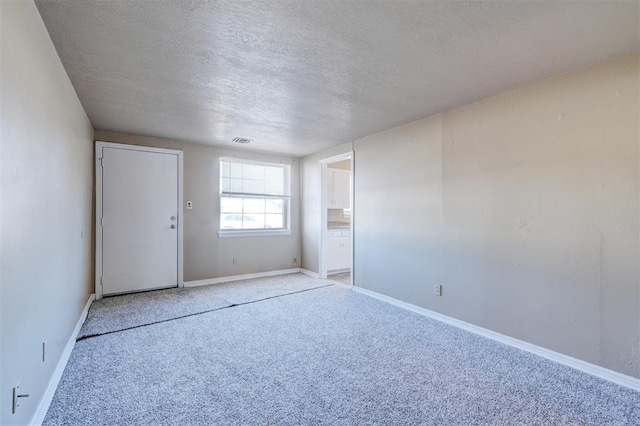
(324, 356)
(343, 277)
(118, 313)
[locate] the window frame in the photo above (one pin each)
(286, 198)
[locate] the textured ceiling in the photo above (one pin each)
(299, 76)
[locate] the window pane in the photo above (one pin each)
(275, 221)
(235, 170)
(249, 178)
(253, 171)
(230, 205)
(235, 185)
(252, 186)
(252, 221)
(224, 168)
(274, 206)
(274, 188)
(231, 221)
(261, 180)
(254, 205)
(225, 184)
(274, 173)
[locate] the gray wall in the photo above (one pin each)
(46, 191)
(524, 206)
(311, 200)
(205, 254)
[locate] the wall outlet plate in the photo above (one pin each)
(189, 205)
(437, 290)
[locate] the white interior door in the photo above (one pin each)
(140, 203)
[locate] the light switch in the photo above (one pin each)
(189, 205)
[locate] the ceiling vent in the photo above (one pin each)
(241, 140)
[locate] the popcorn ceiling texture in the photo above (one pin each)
(301, 76)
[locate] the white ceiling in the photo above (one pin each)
(302, 75)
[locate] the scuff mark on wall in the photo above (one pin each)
(522, 225)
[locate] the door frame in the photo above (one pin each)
(98, 211)
(324, 165)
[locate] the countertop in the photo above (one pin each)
(338, 225)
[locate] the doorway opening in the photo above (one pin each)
(336, 242)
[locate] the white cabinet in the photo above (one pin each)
(346, 252)
(334, 253)
(339, 188)
(338, 254)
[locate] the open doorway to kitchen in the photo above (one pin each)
(336, 247)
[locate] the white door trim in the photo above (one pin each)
(322, 264)
(98, 165)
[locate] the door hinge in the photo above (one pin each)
(102, 221)
(101, 281)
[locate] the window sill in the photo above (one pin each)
(254, 233)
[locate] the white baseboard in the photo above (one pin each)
(43, 407)
(209, 281)
(585, 367)
(310, 273)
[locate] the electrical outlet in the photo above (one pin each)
(189, 205)
(295, 261)
(235, 261)
(437, 290)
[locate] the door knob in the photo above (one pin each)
(173, 227)
(173, 218)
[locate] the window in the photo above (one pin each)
(254, 197)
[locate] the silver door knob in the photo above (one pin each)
(173, 227)
(173, 218)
